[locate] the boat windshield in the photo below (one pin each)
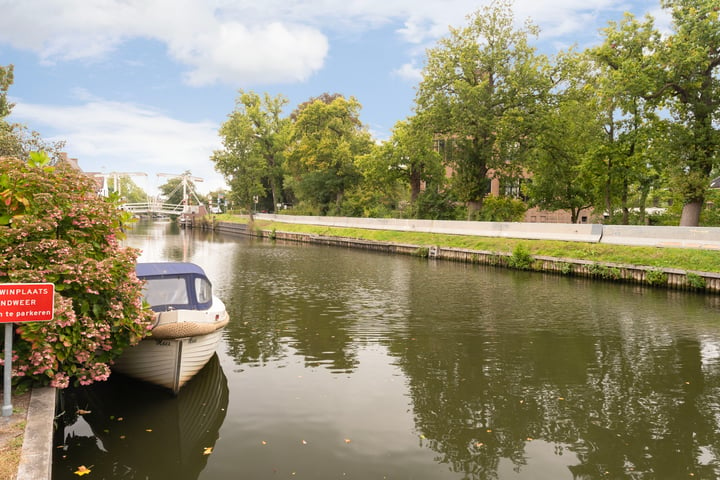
(166, 291)
(203, 289)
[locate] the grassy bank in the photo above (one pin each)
(679, 258)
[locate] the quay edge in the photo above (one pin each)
(674, 279)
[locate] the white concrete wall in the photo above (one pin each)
(678, 237)
(532, 231)
(682, 237)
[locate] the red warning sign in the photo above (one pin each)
(26, 302)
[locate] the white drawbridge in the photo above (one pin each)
(156, 205)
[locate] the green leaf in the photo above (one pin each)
(38, 159)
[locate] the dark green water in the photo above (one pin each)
(349, 364)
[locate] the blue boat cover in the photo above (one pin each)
(175, 285)
(154, 269)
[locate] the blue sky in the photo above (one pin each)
(144, 85)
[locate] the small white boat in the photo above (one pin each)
(188, 325)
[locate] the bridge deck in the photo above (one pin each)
(155, 207)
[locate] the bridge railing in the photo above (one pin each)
(154, 207)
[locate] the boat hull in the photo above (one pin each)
(169, 363)
(187, 327)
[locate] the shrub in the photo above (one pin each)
(502, 209)
(605, 272)
(54, 228)
(521, 258)
(434, 205)
(656, 277)
(696, 281)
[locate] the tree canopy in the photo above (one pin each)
(254, 140)
(327, 139)
(481, 85)
(628, 123)
(15, 139)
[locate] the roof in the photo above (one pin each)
(156, 269)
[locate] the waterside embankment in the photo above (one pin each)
(669, 237)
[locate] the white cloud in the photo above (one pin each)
(234, 53)
(409, 72)
(117, 137)
(215, 48)
(241, 42)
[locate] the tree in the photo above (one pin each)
(405, 160)
(15, 139)
(567, 134)
(678, 73)
(217, 200)
(481, 87)
(254, 139)
(559, 181)
(690, 62)
(327, 139)
(55, 229)
(173, 190)
(410, 155)
(129, 191)
(628, 164)
(6, 79)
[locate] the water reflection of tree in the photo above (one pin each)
(617, 395)
(282, 307)
(635, 404)
(322, 339)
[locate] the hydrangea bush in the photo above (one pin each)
(54, 228)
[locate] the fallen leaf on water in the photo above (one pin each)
(82, 470)
(207, 450)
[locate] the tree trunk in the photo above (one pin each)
(574, 214)
(415, 183)
(624, 200)
(644, 192)
(273, 191)
(473, 207)
(270, 160)
(691, 213)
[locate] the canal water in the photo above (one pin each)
(351, 364)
